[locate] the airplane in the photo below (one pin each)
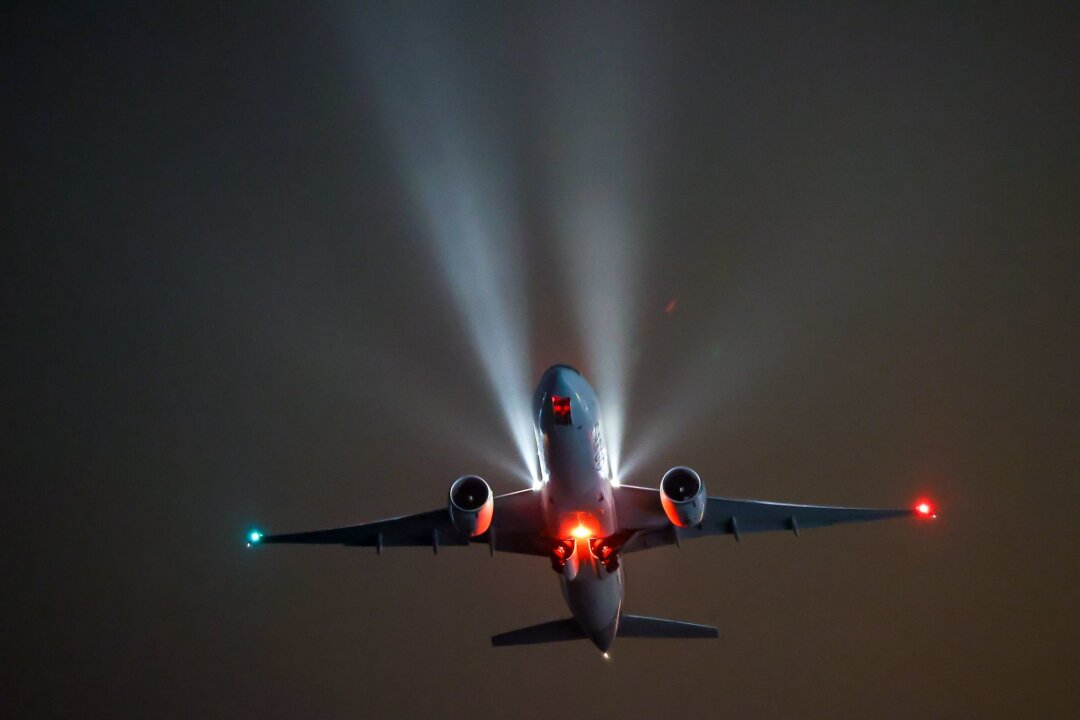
(585, 522)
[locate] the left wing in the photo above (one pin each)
(639, 510)
(516, 527)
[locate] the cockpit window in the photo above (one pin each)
(561, 409)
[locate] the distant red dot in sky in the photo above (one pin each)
(671, 305)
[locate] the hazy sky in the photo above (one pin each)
(252, 253)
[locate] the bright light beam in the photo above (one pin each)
(603, 273)
(598, 172)
(456, 166)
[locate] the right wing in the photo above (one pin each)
(516, 527)
(639, 510)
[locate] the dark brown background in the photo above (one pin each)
(222, 308)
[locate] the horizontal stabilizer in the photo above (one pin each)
(554, 631)
(649, 627)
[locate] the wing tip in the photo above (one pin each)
(924, 509)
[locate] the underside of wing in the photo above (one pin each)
(738, 516)
(516, 527)
(640, 509)
(432, 529)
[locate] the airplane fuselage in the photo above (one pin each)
(576, 494)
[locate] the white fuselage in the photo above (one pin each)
(576, 494)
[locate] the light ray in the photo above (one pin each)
(459, 173)
(599, 173)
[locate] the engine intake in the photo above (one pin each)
(471, 505)
(683, 496)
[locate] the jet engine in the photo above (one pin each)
(683, 496)
(564, 557)
(471, 505)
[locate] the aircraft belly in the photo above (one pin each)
(577, 496)
(594, 600)
(575, 487)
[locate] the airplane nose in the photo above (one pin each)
(565, 386)
(557, 381)
(560, 379)
(560, 385)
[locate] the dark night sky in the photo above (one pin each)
(222, 308)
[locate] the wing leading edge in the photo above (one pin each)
(516, 528)
(517, 524)
(639, 509)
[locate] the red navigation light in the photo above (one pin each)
(925, 509)
(560, 406)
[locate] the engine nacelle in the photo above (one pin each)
(683, 496)
(565, 559)
(471, 505)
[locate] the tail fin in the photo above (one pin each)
(636, 626)
(640, 626)
(554, 631)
